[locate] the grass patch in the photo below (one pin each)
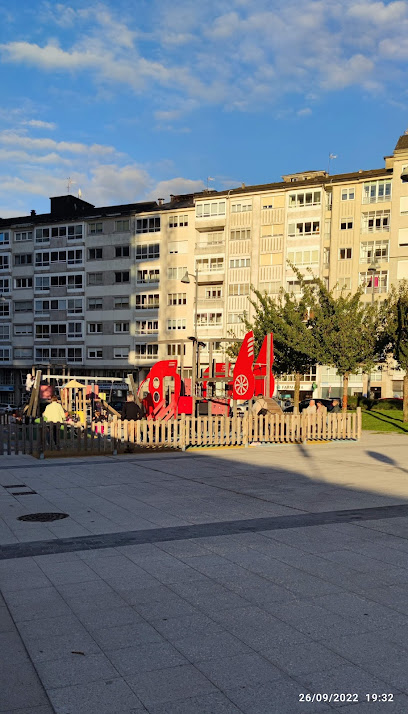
(384, 420)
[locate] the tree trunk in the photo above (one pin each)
(405, 397)
(297, 393)
(345, 390)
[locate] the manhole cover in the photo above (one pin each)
(43, 517)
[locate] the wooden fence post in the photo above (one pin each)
(359, 422)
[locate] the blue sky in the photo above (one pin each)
(141, 99)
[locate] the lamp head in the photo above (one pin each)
(185, 278)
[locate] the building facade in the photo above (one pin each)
(97, 291)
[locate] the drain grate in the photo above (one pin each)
(43, 517)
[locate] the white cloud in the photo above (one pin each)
(11, 138)
(240, 55)
(38, 124)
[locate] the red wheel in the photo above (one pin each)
(241, 384)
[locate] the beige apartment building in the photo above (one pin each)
(98, 291)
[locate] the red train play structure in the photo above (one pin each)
(164, 393)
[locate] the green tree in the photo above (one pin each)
(288, 319)
(393, 337)
(344, 329)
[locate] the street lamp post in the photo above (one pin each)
(371, 270)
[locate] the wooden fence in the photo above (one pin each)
(120, 436)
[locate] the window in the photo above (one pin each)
(42, 235)
(95, 278)
(75, 257)
(23, 306)
(344, 283)
(147, 327)
(240, 263)
(346, 225)
(122, 276)
(176, 350)
(209, 319)
(145, 351)
(378, 248)
(175, 221)
(179, 324)
(238, 289)
(306, 228)
(95, 303)
(23, 353)
(121, 353)
(23, 259)
(95, 228)
(5, 354)
(41, 283)
(147, 302)
(4, 238)
(4, 285)
(176, 273)
(148, 276)
(234, 318)
(122, 251)
(70, 281)
(348, 194)
(213, 293)
(75, 330)
(42, 259)
(177, 299)
(148, 251)
(4, 309)
(95, 353)
(148, 225)
(23, 330)
(122, 327)
(242, 234)
(74, 306)
(4, 332)
(94, 327)
(266, 206)
(121, 303)
(95, 253)
(20, 283)
(122, 226)
(4, 262)
(345, 253)
(74, 354)
(376, 191)
(42, 332)
(241, 207)
(212, 208)
(305, 199)
(210, 265)
(377, 283)
(42, 354)
(74, 233)
(304, 257)
(23, 236)
(42, 307)
(375, 221)
(177, 246)
(270, 288)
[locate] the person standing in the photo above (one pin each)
(336, 407)
(54, 413)
(131, 410)
(311, 409)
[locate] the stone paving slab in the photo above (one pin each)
(211, 619)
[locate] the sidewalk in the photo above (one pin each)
(212, 582)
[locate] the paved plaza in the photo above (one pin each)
(265, 580)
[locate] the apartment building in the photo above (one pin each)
(99, 291)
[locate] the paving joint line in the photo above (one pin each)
(201, 530)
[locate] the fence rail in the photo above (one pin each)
(118, 436)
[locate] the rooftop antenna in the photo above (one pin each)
(69, 184)
(209, 178)
(331, 157)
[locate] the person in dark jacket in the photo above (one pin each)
(336, 407)
(131, 410)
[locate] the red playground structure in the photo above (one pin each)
(164, 393)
